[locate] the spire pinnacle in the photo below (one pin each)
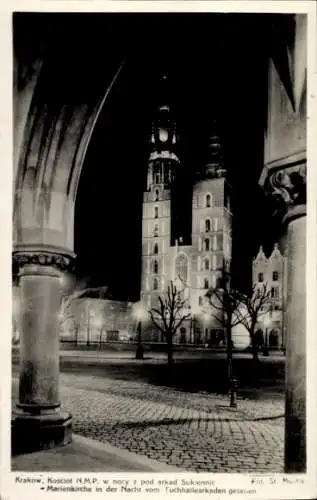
(164, 92)
(214, 166)
(163, 137)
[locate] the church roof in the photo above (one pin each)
(276, 254)
(260, 255)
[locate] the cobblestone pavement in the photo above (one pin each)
(197, 432)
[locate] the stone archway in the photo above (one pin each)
(50, 140)
(51, 136)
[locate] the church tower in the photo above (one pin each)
(211, 222)
(156, 219)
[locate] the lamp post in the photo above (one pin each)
(194, 314)
(88, 329)
(194, 329)
(267, 323)
(227, 318)
(205, 319)
(139, 314)
(193, 339)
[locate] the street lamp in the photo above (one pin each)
(227, 318)
(88, 327)
(205, 318)
(192, 333)
(139, 314)
(267, 323)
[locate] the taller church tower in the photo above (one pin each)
(196, 267)
(156, 219)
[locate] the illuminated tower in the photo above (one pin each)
(211, 223)
(156, 218)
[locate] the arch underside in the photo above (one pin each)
(54, 118)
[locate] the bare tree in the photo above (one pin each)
(224, 303)
(256, 304)
(67, 318)
(66, 311)
(169, 315)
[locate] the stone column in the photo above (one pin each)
(295, 409)
(38, 421)
(287, 186)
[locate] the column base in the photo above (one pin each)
(30, 433)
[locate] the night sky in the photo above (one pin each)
(217, 67)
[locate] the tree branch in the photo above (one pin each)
(181, 321)
(155, 323)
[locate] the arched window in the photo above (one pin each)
(156, 172)
(155, 212)
(208, 200)
(219, 282)
(200, 301)
(207, 244)
(166, 172)
(155, 250)
(157, 194)
(273, 338)
(183, 335)
(155, 284)
(181, 267)
(155, 267)
(207, 265)
(155, 229)
(207, 225)
(206, 284)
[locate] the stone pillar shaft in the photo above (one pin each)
(39, 344)
(38, 421)
(295, 409)
(286, 184)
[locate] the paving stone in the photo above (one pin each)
(197, 432)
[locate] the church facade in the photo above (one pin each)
(165, 258)
(271, 272)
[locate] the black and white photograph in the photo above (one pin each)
(159, 313)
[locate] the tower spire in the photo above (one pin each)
(164, 97)
(163, 158)
(163, 136)
(214, 166)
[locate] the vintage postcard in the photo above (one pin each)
(159, 249)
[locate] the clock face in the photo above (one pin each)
(163, 135)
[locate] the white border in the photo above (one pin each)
(279, 490)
